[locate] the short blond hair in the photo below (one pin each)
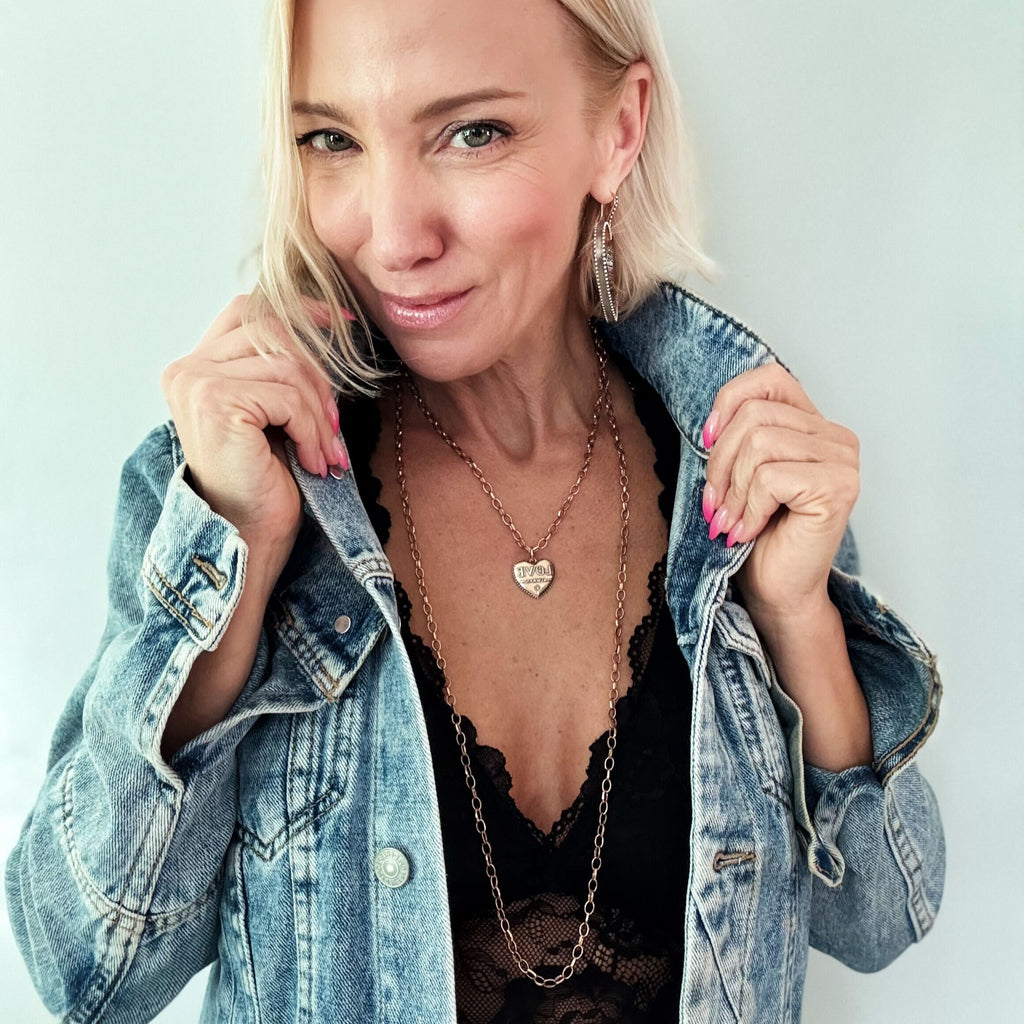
(656, 226)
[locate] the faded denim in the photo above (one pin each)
(254, 848)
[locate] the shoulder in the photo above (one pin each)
(687, 349)
(678, 320)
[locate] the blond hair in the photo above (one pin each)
(656, 225)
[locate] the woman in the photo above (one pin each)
(339, 738)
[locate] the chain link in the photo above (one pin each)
(602, 384)
(605, 400)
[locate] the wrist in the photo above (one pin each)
(808, 615)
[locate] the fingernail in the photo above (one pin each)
(340, 455)
(335, 415)
(709, 429)
(718, 523)
(708, 504)
(735, 534)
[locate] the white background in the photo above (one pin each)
(863, 172)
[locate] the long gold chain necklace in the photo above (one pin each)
(533, 575)
(609, 761)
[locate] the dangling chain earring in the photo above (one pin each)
(604, 261)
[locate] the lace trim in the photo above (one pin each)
(492, 759)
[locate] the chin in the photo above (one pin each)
(446, 358)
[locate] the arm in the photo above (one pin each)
(113, 885)
(872, 831)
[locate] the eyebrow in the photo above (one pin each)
(436, 108)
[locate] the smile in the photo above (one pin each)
(423, 311)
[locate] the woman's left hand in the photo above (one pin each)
(780, 474)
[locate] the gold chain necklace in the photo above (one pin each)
(609, 761)
(533, 575)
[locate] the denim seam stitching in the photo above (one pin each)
(735, 640)
(684, 293)
(163, 921)
(268, 849)
(184, 600)
(246, 943)
(304, 651)
(103, 984)
(919, 735)
(921, 912)
(167, 604)
(99, 901)
(717, 955)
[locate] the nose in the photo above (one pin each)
(404, 215)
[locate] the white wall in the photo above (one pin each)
(862, 170)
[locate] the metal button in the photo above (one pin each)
(342, 624)
(336, 471)
(391, 867)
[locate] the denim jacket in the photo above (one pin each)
(296, 844)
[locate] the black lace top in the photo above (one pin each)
(631, 970)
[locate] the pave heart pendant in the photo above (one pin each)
(534, 577)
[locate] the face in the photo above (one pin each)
(447, 160)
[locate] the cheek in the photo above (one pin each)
(519, 217)
(333, 217)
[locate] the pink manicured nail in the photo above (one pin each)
(340, 455)
(347, 314)
(332, 410)
(709, 429)
(734, 534)
(708, 504)
(718, 522)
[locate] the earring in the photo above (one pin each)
(604, 261)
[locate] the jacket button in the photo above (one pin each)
(391, 867)
(342, 624)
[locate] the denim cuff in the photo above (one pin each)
(194, 564)
(901, 686)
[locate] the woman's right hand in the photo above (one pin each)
(231, 408)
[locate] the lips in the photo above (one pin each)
(423, 311)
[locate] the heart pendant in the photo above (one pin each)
(534, 577)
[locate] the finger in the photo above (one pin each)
(215, 403)
(311, 386)
(824, 492)
(237, 344)
(769, 381)
(273, 404)
(766, 444)
(753, 415)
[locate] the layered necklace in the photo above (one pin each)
(533, 575)
(604, 400)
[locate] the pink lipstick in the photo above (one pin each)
(423, 311)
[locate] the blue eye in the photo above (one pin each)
(325, 141)
(475, 136)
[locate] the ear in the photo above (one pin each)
(622, 135)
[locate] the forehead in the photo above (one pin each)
(370, 52)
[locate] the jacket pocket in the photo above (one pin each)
(292, 769)
(737, 663)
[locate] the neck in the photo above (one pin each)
(540, 393)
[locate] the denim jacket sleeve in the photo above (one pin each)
(112, 886)
(872, 833)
